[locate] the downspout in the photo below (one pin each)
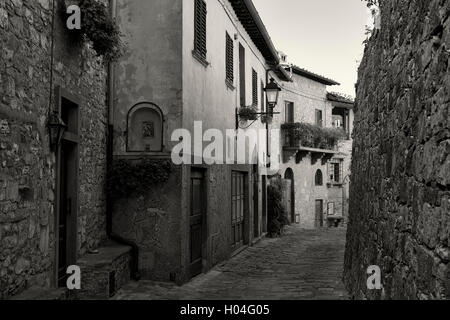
(267, 125)
(52, 58)
(135, 274)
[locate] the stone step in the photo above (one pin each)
(102, 274)
(38, 293)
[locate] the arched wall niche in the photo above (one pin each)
(145, 128)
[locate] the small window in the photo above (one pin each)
(254, 88)
(229, 59)
(289, 109)
(200, 29)
(319, 118)
(335, 171)
(319, 178)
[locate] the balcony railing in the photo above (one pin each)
(297, 135)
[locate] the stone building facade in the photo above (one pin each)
(29, 169)
(314, 196)
(400, 196)
(189, 61)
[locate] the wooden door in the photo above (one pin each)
(67, 188)
(256, 226)
(67, 218)
(197, 232)
(264, 203)
(287, 198)
(238, 209)
(319, 213)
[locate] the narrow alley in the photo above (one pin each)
(301, 265)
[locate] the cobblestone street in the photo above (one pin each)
(303, 264)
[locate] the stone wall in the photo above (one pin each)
(27, 166)
(400, 190)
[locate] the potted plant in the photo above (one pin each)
(247, 113)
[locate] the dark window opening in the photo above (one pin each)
(319, 118)
(289, 108)
(319, 178)
(341, 120)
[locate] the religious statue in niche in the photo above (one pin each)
(148, 129)
(145, 128)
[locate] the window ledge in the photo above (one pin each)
(200, 59)
(229, 84)
(335, 184)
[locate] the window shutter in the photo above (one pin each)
(229, 59)
(254, 88)
(200, 28)
(242, 85)
(263, 107)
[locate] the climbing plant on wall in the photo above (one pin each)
(98, 28)
(277, 213)
(128, 177)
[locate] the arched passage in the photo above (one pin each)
(289, 175)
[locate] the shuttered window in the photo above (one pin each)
(335, 171)
(200, 29)
(242, 75)
(229, 59)
(254, 88)
(263, 107)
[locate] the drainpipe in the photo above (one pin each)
(267, 124)
(135, 274)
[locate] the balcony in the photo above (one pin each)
(302, 139)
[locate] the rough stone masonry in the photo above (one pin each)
(400, 191)
(27, 165)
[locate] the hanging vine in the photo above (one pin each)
(98, 28)
(137, 177)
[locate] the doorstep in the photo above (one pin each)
(238, 251)
(104, 273)
(39, 293)
(261, 237)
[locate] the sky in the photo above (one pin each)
(322, 36)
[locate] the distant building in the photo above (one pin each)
(315, 168)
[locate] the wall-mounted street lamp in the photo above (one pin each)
(272, 91)
(56, 127)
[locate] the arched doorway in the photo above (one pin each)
(289, 175)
